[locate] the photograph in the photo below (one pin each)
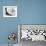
(9, 11)
(30, 33)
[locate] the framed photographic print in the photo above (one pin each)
(9, 11)
(31, 32)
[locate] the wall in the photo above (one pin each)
(7, 25)
(29, 12)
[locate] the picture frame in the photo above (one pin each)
(9, 11)
(39, 28)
